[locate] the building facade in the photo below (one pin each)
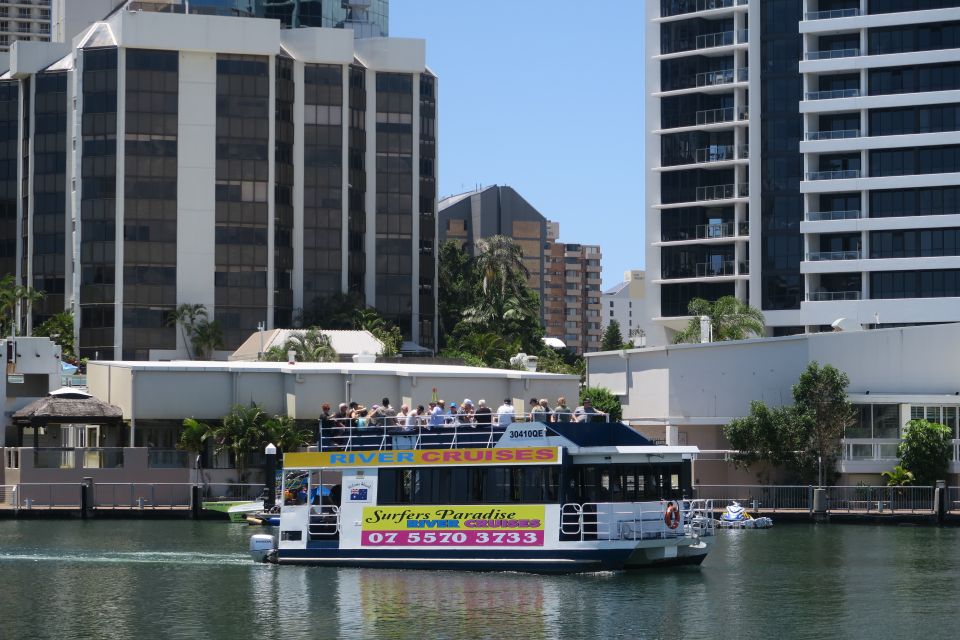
(165, 158)
(833, 122)
(498, 210)
(27, 20)
(686, 393)
(572, 309)
(626, 303)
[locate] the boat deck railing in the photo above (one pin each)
(353, 435)
(634, 520)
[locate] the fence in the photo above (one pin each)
(226, 491)
(880, 499)
(953, 499)
(140, 495)
(764, 497)
(48, 495)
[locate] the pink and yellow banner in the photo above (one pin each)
(423, 457)
(487, 525)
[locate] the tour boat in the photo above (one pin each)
(550, 498)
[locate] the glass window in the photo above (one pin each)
(886, 421)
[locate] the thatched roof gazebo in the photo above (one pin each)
(65, 406)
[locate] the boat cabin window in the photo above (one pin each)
(469, 485)
(624, 482)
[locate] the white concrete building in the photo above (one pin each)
(24, 20)
(815, 195)
(261, 170)
(684, 394)
(627, 304)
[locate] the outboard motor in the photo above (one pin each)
(260, 547)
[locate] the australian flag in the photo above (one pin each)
(358, 494)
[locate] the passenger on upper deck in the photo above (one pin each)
(537, 414)
(436, 414)
(561, 412)
(505, 413)
(483, 416)
(586, 412)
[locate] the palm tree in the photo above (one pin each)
(241, 432)
(12, 299)
(287, 434)
(207, 337)
(730, 319)
(492, 348)
(898, 477)
(500, 260)
(310, 346)
(186, 316)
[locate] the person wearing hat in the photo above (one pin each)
(505, 413)
(586, 412)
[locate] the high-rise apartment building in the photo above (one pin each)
(572, 310)
(169, 158)
(27, 20)
(498, 210)
(804, 157)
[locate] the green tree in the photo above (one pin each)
(287, 434)
(187, 317)
(456, 285)
(603, 400)
(194, 435)
(241, 432)
(820, 395)
(15, 303)
(310, 345)
(898, 477)
(59, 328)
(612, 338)
(925, 451)
(387, 333)
(779, 436)
(207, 337)
(337, 311)
(804, 437)
(500, 263)
(730, 319)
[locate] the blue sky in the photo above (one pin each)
(545, 96)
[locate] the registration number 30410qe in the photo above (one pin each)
(405, 538)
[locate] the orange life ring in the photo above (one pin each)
(671, 517)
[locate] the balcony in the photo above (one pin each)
(845, 174)
(830, 54)
(833, 135)
(820, 256)
(722, 192)
(744, 268)
(829, 15)
(716, 269)
(708, 5)
(822, 216)
(832, 95)
(831, 296)
(711, 231)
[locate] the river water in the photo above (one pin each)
(180, 579)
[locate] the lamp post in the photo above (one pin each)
(271, 500)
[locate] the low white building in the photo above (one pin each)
(626, 303)
(345, 343)
(685, 393)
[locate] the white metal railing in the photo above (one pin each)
(714, 116)
(324, 521)
(878, 450)
(634, 520)
(8, 495)
(715, 269)
(829, 54)
(719, 39)
(835, 13)
(833, 135)
(232, 491)
(844, 174)
(818, 256)
(820, 216)
(765, 497)
(830, 296)
(953, 498)
(49, 495)
(715, 153)
(712, 78)
(710, 5)
(141, 495)
(716, 230)
(832, 95)
(722, 192)
(880, 499)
